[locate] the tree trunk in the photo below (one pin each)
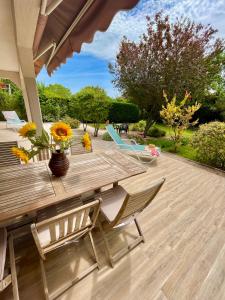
(85, 126)
(96, 130)
(149, 123)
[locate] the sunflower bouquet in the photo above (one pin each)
(59, 140)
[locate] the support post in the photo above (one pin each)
(32, 102)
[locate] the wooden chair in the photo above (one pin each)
(6, 280)
(44, 154)
(77, 148)
(52, 233)
(120, 208)
(7, 158)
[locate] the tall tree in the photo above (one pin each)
(91, 104)
(55, 91)
(175, 57)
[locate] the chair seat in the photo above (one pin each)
(112, 201)
(3, 246)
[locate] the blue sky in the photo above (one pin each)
(90, 67)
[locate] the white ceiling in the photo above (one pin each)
(8, 50)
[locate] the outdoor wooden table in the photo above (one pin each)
(25, 189)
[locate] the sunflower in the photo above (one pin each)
(28, 130)
(21, 154)
(86, 141)
(61, 132)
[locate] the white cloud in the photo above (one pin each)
(133, 23)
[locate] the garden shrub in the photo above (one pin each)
(137, 138)
(106, 137)
(12, 102)
(74, 123)
(54, 109)
(140, 126)
(209, 142)
(156, 132)
(120, 112)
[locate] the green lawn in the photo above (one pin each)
(101, 126)
(187, 133)
(165, 143)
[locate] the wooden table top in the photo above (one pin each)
(29, 188)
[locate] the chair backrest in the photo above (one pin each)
(68, 225)
(3, 246)
(7, 158)
(78, 148)
(10, 115)
(43, 154)
(137, 202)
(114, 135)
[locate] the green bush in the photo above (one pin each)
(137, 138)
(209, 142)
(74, 123)
(106, 137)
(121, 112)
(54, 109)
(156, 132)
(140, 126)
(12, 102)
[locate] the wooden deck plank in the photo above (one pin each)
(183, 256)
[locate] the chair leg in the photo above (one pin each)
(107, 247)
(4, 283)
(13, 269)
(123, 251)
(94, 249)
(44, 279)
(139, 229)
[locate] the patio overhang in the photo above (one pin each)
(37, 33)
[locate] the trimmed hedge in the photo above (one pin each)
(54, 109)
(123, 113)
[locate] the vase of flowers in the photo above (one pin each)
(58, 164)
(58, 141)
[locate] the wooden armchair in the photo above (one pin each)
(55, 232)
(7, 158)
(10, 278)
(120, 208)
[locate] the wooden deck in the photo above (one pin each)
(183, 256)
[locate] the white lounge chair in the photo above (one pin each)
(12, 119)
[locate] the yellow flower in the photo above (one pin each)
(61, 132)
(86, 141)
(20, 154)
(28, 130)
